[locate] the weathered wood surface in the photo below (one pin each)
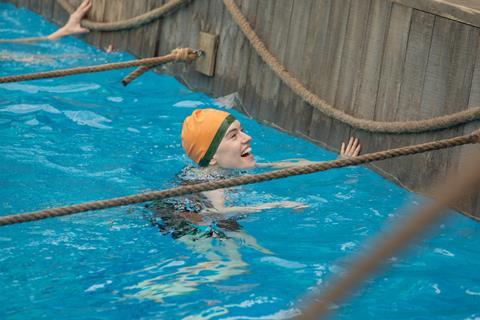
(465, 11)
(386, 60)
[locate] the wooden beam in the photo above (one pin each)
(465, 11)
(208, 43)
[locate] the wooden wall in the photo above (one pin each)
(385, 60)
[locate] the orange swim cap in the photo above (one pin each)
(203, 131)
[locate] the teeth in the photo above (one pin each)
(247, 151)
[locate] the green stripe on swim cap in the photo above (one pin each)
(216, 140)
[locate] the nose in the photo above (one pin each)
(246, 138)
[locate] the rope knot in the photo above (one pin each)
(184, 54)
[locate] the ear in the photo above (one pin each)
(213, 161)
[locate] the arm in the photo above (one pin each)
(352, 149)
(288, 163)
(73, 25)
(220, 211)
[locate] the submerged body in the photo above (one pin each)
(215, 140)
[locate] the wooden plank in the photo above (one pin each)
(355, 42)
(149, 40)
(372, 60)
(460, 80)
(335, 27)
(217, 16)
(351, 60)
(136, 35)
(232, 59)
(416, 62)
(249, 90)
(472, 203)
(214, 18)
(434, 102)
(165, 39)
(112, 11)
(319, 124)
(336, 39)
(393, 63)
(169, 40)
(461, 68)
(278, 35)
(350, 80)
(198, 13)
(268, 82)
(409, 103)
(318, 15)
(369, 74)
(97, 13)
(179, 38)
(241, 57)
(208, 43)
(391, 74)
(123, 10)
(293, 106)
(465, 11)
(474, 101)
(147, 34)
(436, 78)
(435, 86)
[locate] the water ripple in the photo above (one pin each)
(28, 108)
(29, 88)
(88, 118)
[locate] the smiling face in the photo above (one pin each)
(234, 151)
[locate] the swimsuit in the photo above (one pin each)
(176, 216)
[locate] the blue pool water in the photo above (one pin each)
(86, 137)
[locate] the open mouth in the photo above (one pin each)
(246, 152)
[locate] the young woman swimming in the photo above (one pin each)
(216, 141)
(207, 223)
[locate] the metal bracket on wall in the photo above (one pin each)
(208, 44)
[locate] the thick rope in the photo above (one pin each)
(182, 54)
(247, 179)
(135, 74)
(447, 194)
(413, 126)
(128, 23)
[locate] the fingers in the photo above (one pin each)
(87, 7)
(350, 143)
(85, 4)
(352, 149)
(84, 7)
(357, 149)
